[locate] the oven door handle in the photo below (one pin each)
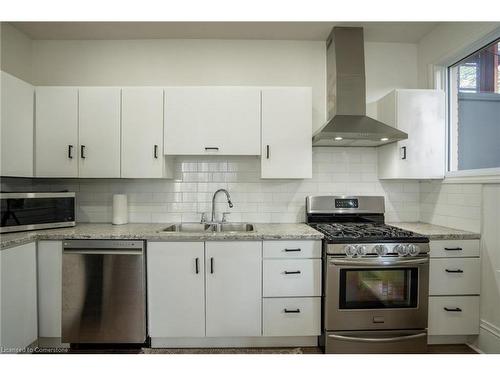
(399, 262)
(375, 340)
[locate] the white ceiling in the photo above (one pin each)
(403, 32)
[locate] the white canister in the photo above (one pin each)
(120, 209)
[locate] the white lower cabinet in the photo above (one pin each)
(291, 316)
(454, 288)
(49, 269)
(454, 315)
(233, 288)
(211, 289)
(176, 289)
(292, 277)
(18, 298)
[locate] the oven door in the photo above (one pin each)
(378, 293)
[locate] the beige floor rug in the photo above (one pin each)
(223, 351)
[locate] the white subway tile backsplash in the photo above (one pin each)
(336, 171)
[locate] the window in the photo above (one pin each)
(474, 98)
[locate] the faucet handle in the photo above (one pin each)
(203, 217)
(224, 216)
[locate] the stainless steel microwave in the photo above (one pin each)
(32, 211)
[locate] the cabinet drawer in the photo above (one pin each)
(454, 315)
(292, 249)
(454, 276)
(454, 248)
(292, 277)
(292, 316)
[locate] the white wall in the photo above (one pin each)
(335, 171)
(388, 66)
(217, 62)
(447, 41)
(16, 52)
(489, 338)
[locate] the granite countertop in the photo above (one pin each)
(437, 232)
(153, 232)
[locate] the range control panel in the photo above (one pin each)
(346, 203)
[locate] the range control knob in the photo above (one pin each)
(401, 249)
(381, 250)
(413, 250)
(350, 251)
(361, 250)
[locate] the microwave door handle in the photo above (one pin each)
(376, 340)
(399, 262)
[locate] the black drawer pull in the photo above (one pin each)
(267, 152)
(454, 271)
(196, 265)
(290, 250)
(291, 272)
(456, 309)
(453, 248)
(212, 148)
(155, 153)
(403, 156)
(211, 265)
(70, 151)
(82, 151)
(296, 311)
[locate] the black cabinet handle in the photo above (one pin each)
(70, 151)
(291, 272)
(82, 151)
(211, 265)
(454, 271)
(196, 265)
(456, 309)
(291, 250)
(267, 152)
(296, 311)
(453, 248)
(155, 153)
(212, 148)
(403, 157)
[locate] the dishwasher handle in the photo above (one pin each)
(103, 251)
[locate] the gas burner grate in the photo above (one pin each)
(365, 231)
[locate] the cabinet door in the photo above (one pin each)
(99, 132)
(49, 288)
(233, 288)
(18, 316)
(16, 127)
(56, 125)
(421, 114)
(142, 133)
(286, 133)
(176, 283)
(212, 120)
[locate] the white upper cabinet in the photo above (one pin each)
(56, 124)
(142, 133)
(421, 114)
(16, 127)
(212, 120)
(286, 133)
(99, 132)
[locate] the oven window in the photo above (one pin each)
(378, 288)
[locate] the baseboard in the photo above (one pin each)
(234, 342)
(451, 339)
(489, 338)
(51, 342)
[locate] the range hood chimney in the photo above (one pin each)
(348, 124)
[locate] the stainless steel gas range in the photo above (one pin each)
(376, 278)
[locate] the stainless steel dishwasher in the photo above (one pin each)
(103, 292)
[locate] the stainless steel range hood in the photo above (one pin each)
(348, 124)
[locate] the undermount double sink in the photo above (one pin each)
(208, 227)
